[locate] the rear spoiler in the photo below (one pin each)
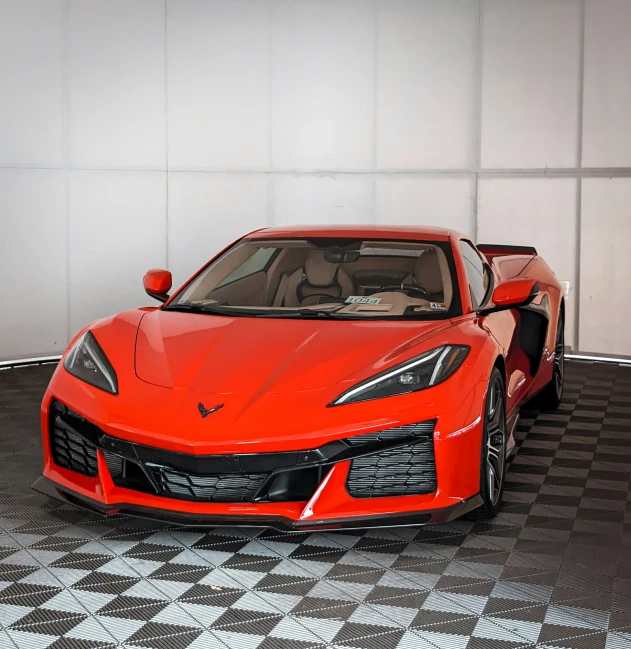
(490, 250)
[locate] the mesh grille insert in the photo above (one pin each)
(72, 452)
(114, 464)
(422, 429)
(208, 488)
(402, 471)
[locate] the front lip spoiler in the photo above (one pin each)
(49, 488)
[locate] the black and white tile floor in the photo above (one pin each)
(552, 570)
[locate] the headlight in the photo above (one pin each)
(424, 371)
(88, 362)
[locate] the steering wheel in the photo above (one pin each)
(406, 288)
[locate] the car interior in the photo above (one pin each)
(369, 277)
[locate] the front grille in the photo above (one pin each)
(402, 471)
(70, 450)
(208, 488)
(393, 462)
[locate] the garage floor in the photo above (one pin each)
(553, 570)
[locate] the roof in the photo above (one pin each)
(426, 233)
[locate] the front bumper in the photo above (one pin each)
(51, 489)
(456, 438)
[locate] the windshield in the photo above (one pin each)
(318, 277)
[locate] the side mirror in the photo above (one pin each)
(511, 294)
(157, 283)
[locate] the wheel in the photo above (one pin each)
(550, 397)
(493, 456)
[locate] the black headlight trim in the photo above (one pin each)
(91, 345)
(439, 353)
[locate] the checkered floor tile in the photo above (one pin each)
(553, 570)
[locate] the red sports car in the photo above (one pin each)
(311, 377)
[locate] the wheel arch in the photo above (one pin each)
(561, 311)
(500, 363)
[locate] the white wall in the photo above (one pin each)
(139, 133)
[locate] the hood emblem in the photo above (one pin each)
(204, 413)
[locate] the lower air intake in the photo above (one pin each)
(114, 464)
(419, 431)
(68, 449)
(408, 470)
(209, 488)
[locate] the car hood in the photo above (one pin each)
(231, 355)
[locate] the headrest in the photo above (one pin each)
(427, 272)
(319, 272)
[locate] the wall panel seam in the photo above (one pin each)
(579, 181)
(270, 102)
(542, 172)
(66, 116)
(166, 126)
(375, 104)
(271, 202)
(477, 119)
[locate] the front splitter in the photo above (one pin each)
(49, 488)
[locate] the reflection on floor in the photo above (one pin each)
(553, 570)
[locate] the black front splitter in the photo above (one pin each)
(49, 488)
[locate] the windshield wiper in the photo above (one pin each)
(210, 309)
(307, 313)
(302, 314)
(213, 309)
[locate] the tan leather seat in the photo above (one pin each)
(318, 280)
(427, 274)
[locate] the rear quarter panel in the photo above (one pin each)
(504, 324)
(551, 288)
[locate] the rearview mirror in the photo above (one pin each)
(341, 256)
(512, 294)
(157, 283)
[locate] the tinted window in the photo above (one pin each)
(476, 275)
(255, 264)
(360, 278)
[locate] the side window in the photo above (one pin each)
(256, 263)
(477, 277)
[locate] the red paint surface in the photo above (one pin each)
(276, 377)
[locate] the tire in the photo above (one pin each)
(493, 455)
(550, 397)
